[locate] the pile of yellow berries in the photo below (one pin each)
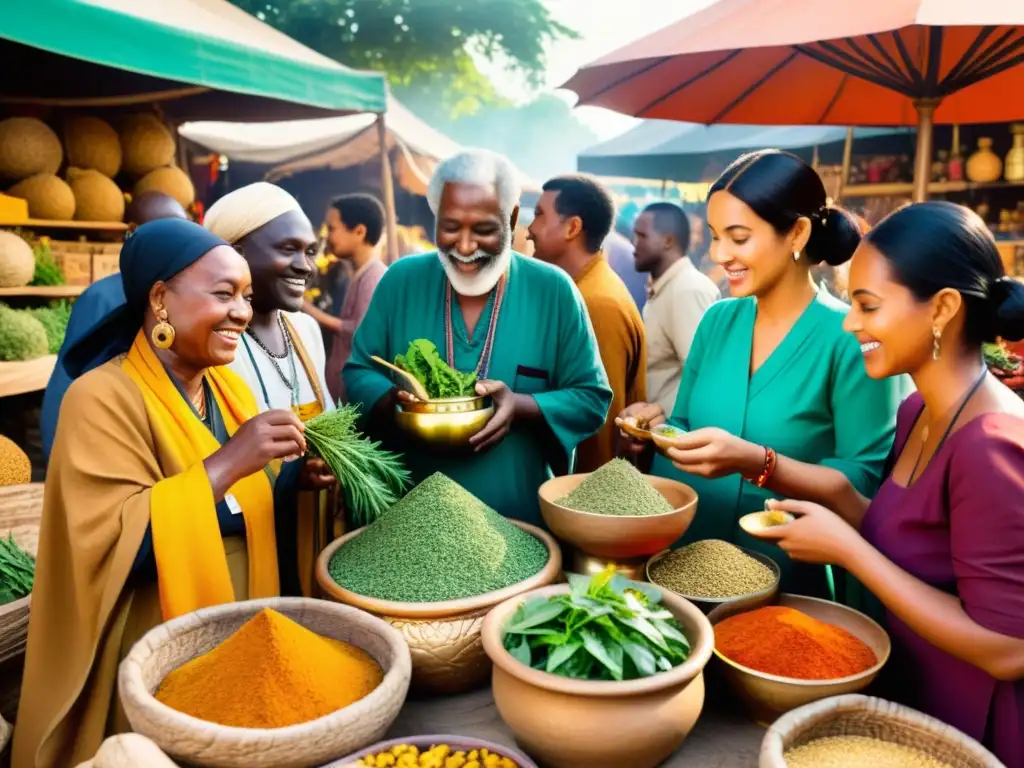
(438, 756)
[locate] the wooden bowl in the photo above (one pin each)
(197, 742)
(447, 423)
(765, 696)
(737, 604)
(599, 724)
(615, 537)
(444, 637)
(426, 742)
(757, 522)
(855, 715)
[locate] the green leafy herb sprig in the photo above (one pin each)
(606, 628)
(48, 272)
(371, 478)
(17, 571)
(440, 380)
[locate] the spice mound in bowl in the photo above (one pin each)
(617, 488)
(858, 752)
(438, 756)
(711, 569)
(271, 673)
(438, 543)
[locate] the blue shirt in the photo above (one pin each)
(92, 306)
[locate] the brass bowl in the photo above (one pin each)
(444, 637)
(448, 422)
(738, 603)
(766, 697)
(757, 522)
(570, 723)
(615, 537)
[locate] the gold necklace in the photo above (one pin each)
(200, 403)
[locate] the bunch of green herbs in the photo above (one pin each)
(17, 571)
(616, 488)
(606, 628)
(440, 380)
(371, 478)
(55, 319)
(48, 272)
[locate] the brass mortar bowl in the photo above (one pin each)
(447, 422)
(444, 637)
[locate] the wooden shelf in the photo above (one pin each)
(28, 376)
(898, 188)
(45, 291)
(109, 226)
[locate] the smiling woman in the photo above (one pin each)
(160, 487)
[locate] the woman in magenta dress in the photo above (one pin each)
(942, 544)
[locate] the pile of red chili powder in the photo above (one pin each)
(788, 643)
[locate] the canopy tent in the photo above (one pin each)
(663, 149)
(200, 59)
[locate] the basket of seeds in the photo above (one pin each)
(712, 572)
(433, 566)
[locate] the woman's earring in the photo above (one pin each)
(936, 343)
(796, 255)
(163, 332)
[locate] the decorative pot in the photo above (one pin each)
(1015, 157)
(984, 166)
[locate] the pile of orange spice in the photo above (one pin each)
(786, 642)
(271, 673)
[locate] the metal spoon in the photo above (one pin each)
(415, 386)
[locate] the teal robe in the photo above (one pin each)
(544, 346)
(811, 400)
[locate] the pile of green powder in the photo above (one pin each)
(617, 488)
(438, 543)
(711, 568)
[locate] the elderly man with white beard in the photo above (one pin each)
(519, 323)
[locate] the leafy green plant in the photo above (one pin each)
(371, 478)
(606, 628)
(17, 571)
(48, 272)
(424, 362)
(55, 320)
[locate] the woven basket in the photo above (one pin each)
(856, 715)
(21, 507)
(197, 742)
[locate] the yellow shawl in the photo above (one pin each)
(128, 451)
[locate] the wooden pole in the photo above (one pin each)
(387, 188)
(844, 174)
(923, 159)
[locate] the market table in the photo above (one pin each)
(721, 739)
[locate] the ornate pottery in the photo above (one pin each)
(984, 166)
(1015, 157)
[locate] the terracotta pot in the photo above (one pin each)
(444, 637)
(566, 723)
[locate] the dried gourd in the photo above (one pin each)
(17, 262)
(146, 145)
(93, 143)
(171, 181)
(48, 197)
(28, 146)
(97, 198)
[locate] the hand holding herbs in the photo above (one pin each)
(606, 628)
(371, 478)
(440, 380)
(17, 570)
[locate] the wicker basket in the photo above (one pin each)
(320, 741)
(21, 507)
(856, 715)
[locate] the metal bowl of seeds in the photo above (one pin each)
(448, 422)
(711, 573)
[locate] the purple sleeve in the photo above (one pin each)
(986, 511)
(364, 292)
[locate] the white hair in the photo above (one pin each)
(479, 167)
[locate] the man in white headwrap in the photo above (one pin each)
(282, 356)
(519, 323)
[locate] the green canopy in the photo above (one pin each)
(201, 59)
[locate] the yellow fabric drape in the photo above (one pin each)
(189, 550)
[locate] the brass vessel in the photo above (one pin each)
(447, 422)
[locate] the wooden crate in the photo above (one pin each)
(74, 259)
(105, 263)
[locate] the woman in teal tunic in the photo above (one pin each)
(774, 396)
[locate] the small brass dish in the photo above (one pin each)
(447, 422)
(757, 522)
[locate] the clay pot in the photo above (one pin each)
(565, 723)
(984, 166)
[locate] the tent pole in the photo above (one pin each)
(387, 188)
(923, 160)
(844, 174)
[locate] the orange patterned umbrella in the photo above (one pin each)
(808, 62)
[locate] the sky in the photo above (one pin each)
(604, 25)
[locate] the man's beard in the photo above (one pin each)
(486, 277)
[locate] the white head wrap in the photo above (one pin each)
(245, 210)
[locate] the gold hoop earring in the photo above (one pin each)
(163, 332)
(936, 343)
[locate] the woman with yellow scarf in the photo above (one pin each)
(160, 489)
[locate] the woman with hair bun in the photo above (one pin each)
(774, 396)
(942, 544)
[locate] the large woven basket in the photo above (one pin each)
(856, 715)
(21, 508)
(320, 741)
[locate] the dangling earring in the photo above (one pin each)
(163, 332)
(936, 344)
(796, 255)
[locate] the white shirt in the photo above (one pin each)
(677, 302)
(266, 371)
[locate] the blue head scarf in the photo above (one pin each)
(156, 251)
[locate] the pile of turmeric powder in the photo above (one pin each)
(271, 673)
